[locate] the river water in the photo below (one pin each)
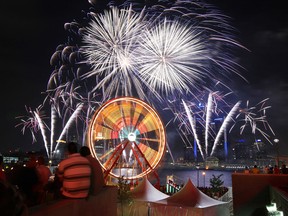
(199, 178)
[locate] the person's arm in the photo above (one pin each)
(60, 172)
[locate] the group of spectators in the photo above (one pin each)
(267, 169)
(79, 175)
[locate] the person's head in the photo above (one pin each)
(41, 160)
(11, 201)
(72, 147)
(84, 151)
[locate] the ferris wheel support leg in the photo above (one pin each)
(119, 151)
(141, 153)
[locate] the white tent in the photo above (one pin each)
(145, 191)
(189, 201)
(142, 195)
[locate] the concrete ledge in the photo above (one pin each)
(104, 203)
(251, 192)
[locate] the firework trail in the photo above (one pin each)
(53, 122)
(252, 117)
(90, 103)
(69, 122)
(142, 50)
(214, 107)
(202, 114)
(29, 122)
(36, 121)
(193, 126)
(42, 129)
(208, 121)
(145, 50)
(224, 125)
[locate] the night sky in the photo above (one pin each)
(31, 30)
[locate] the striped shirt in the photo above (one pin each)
(76, 173)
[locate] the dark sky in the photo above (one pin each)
(32, 29)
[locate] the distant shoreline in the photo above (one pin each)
(228, 167)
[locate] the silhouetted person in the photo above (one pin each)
(255, 170)
(44, 174)
(246, 170)
(31, 163)
(26, 179)
(276, 170)
(266, 169)
(284, 169)
(270, 170)
(75, 174)
(11, 201)
(97, 178)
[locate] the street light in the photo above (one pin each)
(203, 173)
(197, 167)
(276, 141)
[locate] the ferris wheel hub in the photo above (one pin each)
(132, 137)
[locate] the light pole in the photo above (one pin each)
(276, 141)
(203, 173)
(197, 167)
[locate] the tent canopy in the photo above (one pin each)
(190, 196)
(145, 191)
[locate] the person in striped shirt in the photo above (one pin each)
(75, 173)
(97, 178)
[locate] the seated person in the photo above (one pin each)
(11, 201)
(75, 173)
(97, 178)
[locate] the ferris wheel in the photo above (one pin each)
(127, 137)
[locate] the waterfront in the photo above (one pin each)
(197, 177)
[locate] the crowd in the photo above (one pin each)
(267, 169)
(79, 175)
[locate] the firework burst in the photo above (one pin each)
(136, 50)
(255, 118)
(194, 117)
(37, 120)
(172, 57)
(109, 42)
(143, 50)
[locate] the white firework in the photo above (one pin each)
(137, 49)
(130, 52)
(195, 117)
(171, 56)
(255, 118)
(205, 117)
(109, 43)
(35, 121)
